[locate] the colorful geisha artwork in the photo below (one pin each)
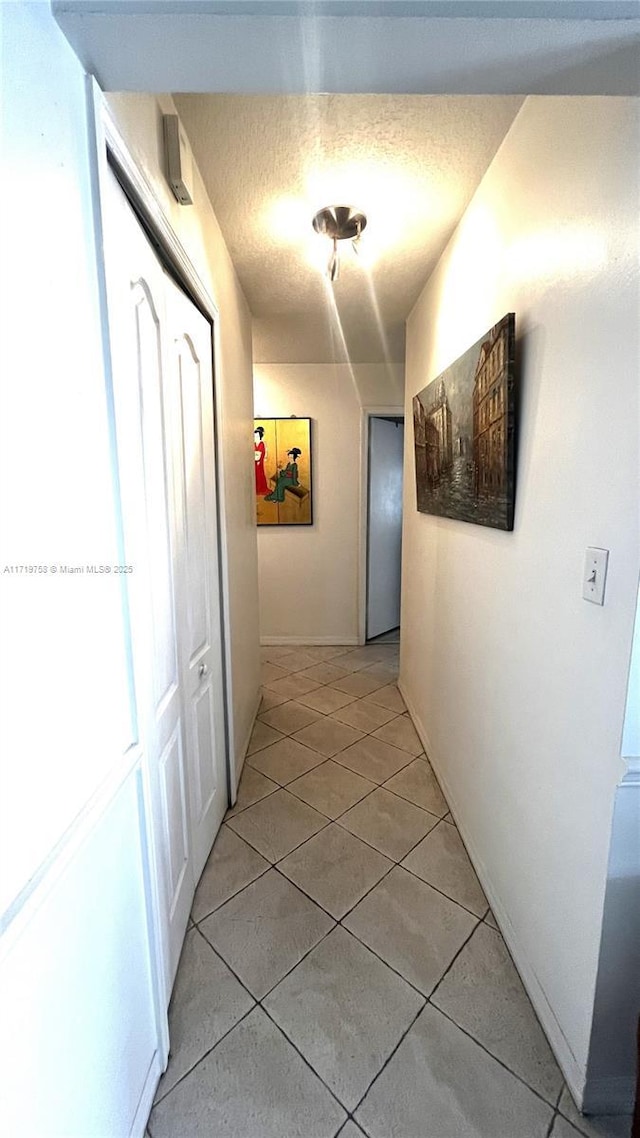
(282, 460)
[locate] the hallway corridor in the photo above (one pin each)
(343, 973)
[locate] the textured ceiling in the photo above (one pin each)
(410, 162)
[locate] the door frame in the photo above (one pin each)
(108, 148)
(366, 414)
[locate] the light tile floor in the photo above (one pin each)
(343, 973)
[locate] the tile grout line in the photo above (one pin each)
(336, 820)
(241, 809)
(491, 1055)
(207, 1053)
(388, 1059)
(339, 921)
(262, 873)
(258, 1002)
(306, 1061)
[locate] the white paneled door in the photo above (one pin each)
(190, 409)
(163, 395)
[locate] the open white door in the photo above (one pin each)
(384, 525)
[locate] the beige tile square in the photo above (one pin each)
(327, 736)
(373, 758)
(206, 1002)
(388, 649)
(289, 717)
(440, 1084)
(363, 715)
(360, 658)
(593, 1125)
(401, 733)
(387, 822)
(484, 995)
(325, 699)
(253, 786)
(274, 653)
(298, 659)
(345, 1011)
(387, 671)
(326, 651)
(443, 862)
(413, 928)
(261, 736)
(265, 930)
(331, 788)
(285, 760)
(270, 672)
(277, 825)
(271, 699)
(324, 673)
(232, 865)
(418, 784)
(291, 687)
(390, 697)
(358, 684)
(335, 869)
(286, 1099)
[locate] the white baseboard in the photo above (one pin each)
(283, 641)
(242, 750)
(139, 1125)
(571, 1069)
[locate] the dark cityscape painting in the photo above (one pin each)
(464, 430)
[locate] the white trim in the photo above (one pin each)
(139, 1124)
(242, 754)
(366, 414)
(301, 641)
(569, 1065)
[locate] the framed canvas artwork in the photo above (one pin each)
(464, 434)
(282, 457)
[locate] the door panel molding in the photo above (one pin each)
(111, 148)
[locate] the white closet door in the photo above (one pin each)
(136, 285)
(191, 428)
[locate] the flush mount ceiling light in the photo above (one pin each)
(339, 223)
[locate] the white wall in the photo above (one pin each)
(65, 706)
(309, 575)
(79, 1020)
(517, 684)
(139, 119)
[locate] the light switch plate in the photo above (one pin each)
(595, 575)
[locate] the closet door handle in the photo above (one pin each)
(202, 671)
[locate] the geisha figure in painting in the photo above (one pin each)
(259, 454)
(286, 477)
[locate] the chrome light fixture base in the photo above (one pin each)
(339, 223)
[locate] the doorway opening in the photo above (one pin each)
(385, 450)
